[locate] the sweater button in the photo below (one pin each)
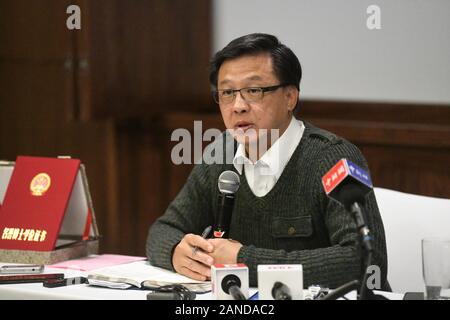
(291, 231)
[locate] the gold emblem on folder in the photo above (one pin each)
(40, 184)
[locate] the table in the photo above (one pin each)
(32, 291)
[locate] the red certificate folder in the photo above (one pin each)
(36, 202)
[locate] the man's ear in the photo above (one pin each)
(291, 97)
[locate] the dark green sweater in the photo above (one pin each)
(295, 223)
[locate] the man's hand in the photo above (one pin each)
(225, 250)
(195, 264)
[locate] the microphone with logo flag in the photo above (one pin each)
(349, 184)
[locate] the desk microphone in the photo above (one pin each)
(228, 184)
(280, 282)
(229, 281)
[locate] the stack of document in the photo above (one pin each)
(142, 275)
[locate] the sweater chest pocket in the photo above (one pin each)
(293, 227)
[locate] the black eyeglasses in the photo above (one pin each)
(251, 94)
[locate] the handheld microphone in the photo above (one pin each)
(280, 282)
(228, 184)
(229, 281)
(348, 184)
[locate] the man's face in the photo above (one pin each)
(245, 118)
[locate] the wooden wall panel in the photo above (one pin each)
(143, 182)
(95, 144)
(34, 30)
(147, 55)
(396, 113)
(419, 170)
(406, 146)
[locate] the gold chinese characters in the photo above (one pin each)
(21, 234)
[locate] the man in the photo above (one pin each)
(281, 213)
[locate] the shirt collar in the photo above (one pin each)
(240, 158)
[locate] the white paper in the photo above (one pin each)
(137, 272)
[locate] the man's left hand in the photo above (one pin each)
(225, 250)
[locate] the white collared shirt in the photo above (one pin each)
(264, 173)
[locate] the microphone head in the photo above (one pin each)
(347, 183)
(280, 291)
(230, 280)
(350, 193)
(229, 182)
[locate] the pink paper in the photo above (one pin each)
(96, 262)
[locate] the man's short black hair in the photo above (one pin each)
(285, 63)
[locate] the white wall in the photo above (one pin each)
(408, 60)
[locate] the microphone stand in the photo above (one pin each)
(365, 241)
(366, 256)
